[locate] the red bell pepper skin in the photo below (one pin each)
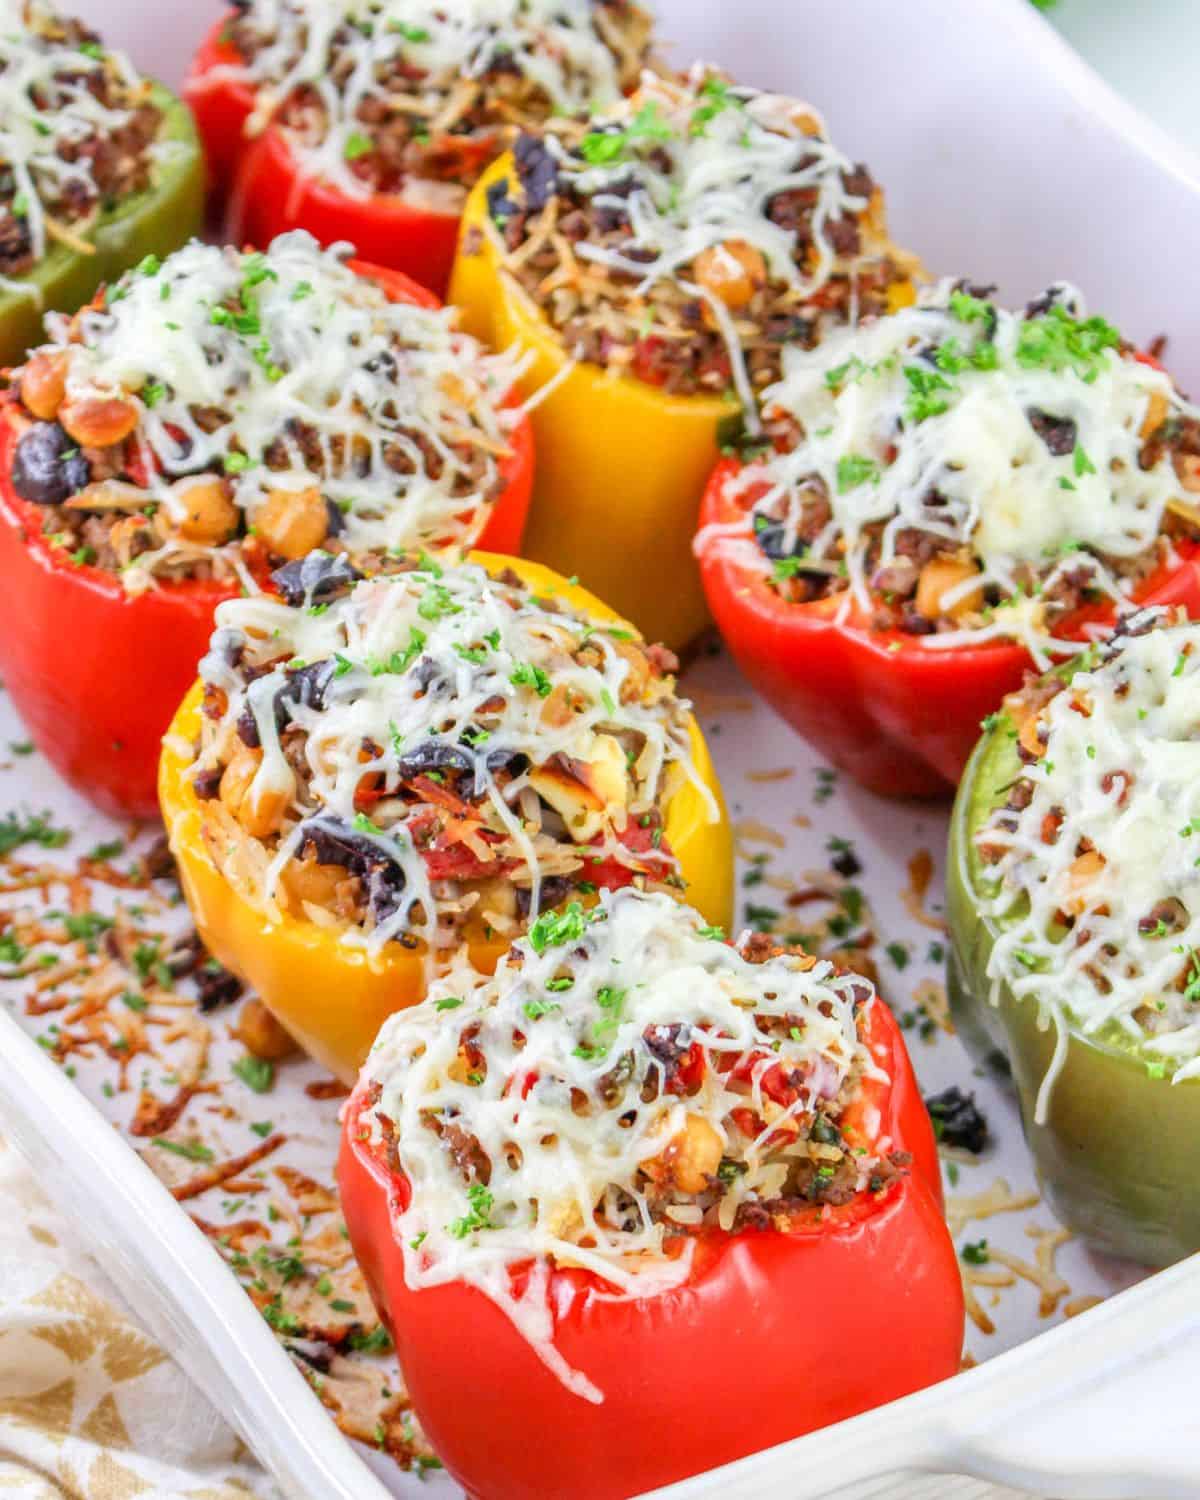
(899, 717)
(96, 673)
(266, 193)
(772, 1335)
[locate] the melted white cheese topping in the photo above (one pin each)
(554, 44)
(922, 420)
(32, 136)
(451, 658)
(566, 1019)
(1122, 769)
(307, 342)
(707, 159)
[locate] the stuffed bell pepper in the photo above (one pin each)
(944, 498)
(210, 417)
(644, 1203)
(1074, 904)
(655, 266)
(369, 120)
(376, 775)
(98, 168)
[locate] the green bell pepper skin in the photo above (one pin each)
(153, 222)
(1116, 1155)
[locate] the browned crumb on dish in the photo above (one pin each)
(920, 874)
(988, 1266)
(963, 1208)
(96, 953)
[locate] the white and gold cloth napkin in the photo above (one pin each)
(91, 1408)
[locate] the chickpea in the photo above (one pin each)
(1156, 414)
(806, 122)
(733, 272)
(210, 516)
(262, 1035)
(237, 776)
(938, 578)
(307, 880)
(292, 522)
(1080, 875)
(259, 814)
(98, 421)
(1030, 736)
(689, 1158)
(43, 384)
(1187, 466)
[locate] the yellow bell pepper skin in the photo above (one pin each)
(621, 465)
(333, 997)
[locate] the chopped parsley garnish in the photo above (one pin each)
(255, 1072)
(853, 470)
(192, 1150)
(32, 828)
(601, 148)
(553, 928)
(525, 674)
(477, 1217)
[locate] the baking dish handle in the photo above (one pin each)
(1102, 1407)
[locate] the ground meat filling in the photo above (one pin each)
(690, 235)
(77, 131)
(626, 1082)
(430, 100)
(433, 754)
(218, 414)
(957, 468)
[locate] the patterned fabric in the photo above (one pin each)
(90, 1407)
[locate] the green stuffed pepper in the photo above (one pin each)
(99, 168)
(1074, 907)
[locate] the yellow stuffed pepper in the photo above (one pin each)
(373, 774)
(655, 269)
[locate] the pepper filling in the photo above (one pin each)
(78, 131)
(379, 96)
(691, 233)
(1095, 852)
(218, 412)
(956, 471)
(626, 1082)
(433, 753)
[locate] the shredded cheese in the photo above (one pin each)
(696, 167)
(416, 673)
(287, 371)
(1097, 894)
(338, 52)
(555, 1072)
(928, 421)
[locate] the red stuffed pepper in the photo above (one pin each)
(299, 140)
(949, 496)
(211, 417)
(637, 1171)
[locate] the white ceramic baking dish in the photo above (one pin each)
(1006, 159)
